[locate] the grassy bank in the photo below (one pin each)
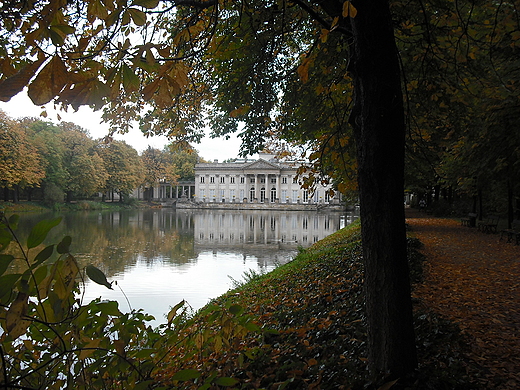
(302, 326)
(25, 206)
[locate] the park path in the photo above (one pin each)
(473, 279)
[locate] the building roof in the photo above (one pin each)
(256, 165)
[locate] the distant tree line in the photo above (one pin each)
(55, 163)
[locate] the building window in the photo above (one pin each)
(284, 198)
(232, 179)
(305, 196)
(295, 196)
(327, 196)
(232, 194)
(222, 194)
(273, 194)
(202, 179)
(202, 193)
(252, 180)
(295, 180)
(212, 179)
(222, 179)
(273, 180)
(212, 194)
(242, 179)
(262, 195)
(262, 179)
(284, 180)
(242, 195)
(252, 194)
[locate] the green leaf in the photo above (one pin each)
(13, 221)
(44, 254)
(7, 283)
(40, 231)
(251, 326)
(109, 308)
(236, 309)
(64, 245)
(5, 260)
(186, 375)
(5, 238)
(144, 353)
(225, 381)
(97, 276)
(143, 385)
(130, 80)
(149, 4)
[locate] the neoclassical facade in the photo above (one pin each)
(265, 180)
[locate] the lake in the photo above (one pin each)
(159, 257)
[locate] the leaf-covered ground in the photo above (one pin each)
(473, 279)
(312, 336)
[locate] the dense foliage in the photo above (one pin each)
(56, 163)
(460, 63)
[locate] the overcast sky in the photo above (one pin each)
(209, 149)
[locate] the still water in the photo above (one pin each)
(159, 257)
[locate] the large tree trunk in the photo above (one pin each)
(378, 120)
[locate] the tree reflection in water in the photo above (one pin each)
(161, 256)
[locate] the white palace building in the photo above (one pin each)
(264, 181)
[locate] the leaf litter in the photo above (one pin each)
(311, 321)
(473, 279)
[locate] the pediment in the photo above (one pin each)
(262, 165)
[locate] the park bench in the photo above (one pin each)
(514, 232)
(469, 220)
(489, 225)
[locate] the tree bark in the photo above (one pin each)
(379, 127)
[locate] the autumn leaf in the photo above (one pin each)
(49, 82)
(16, 83)
(16, 324)
(349, 10)
(303, 69)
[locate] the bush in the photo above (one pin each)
(52, 194)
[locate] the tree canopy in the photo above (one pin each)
(329, 75)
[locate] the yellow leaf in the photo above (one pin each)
(324, 35)
(349, 10)
(180, 73)
(388, 385)
(120, 347)
(89, 349)
(15, 323)
(303, 69)
(239, 111)
(334, 23)
(49, 82)
(150, 89)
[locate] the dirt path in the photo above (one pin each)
(474, 279)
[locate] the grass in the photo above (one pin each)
(310, 313)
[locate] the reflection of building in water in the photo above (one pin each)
(263, 229)
(266, 180)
